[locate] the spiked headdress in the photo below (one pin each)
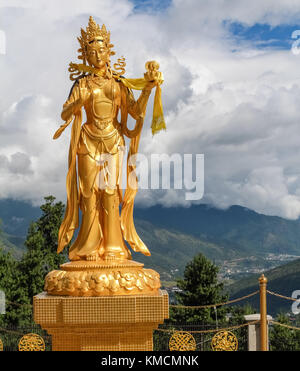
(93, 32)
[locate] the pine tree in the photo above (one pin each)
(200, 286)
(40, 258)
(283, 338)
(8, 266)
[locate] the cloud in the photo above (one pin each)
(240, 109)
(19, 163)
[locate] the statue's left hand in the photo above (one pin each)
(153, 76)
(151, 84)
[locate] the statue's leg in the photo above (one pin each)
(114, 243)
(88, 243)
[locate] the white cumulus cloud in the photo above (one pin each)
(240, 109)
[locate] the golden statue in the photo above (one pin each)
(94, 175)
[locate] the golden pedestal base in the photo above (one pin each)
(87, 278)
(101, 323)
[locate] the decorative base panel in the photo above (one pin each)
(111, 323)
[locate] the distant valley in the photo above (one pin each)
(240, 241)
(283, 280)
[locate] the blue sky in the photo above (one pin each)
(263, 35)
(151, 5)
(260, 36)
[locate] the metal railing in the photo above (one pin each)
(201, 333)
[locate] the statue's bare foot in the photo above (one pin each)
(101, 252)
(92, 257)
(109, 256)
(120, 255)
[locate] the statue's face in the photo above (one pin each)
(97, 53)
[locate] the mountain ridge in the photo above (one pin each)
(282, 280)
(175, 235)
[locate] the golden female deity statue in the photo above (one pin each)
(94, 175)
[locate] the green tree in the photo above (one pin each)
(236, 316)
(41, 256)
(9, 284)
(29, 273)
(283, 338)
(200, 286)
(8, 266)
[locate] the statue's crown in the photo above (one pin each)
(92, 32)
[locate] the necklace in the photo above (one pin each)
(98, 81)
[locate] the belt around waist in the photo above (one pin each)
(99, 136)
